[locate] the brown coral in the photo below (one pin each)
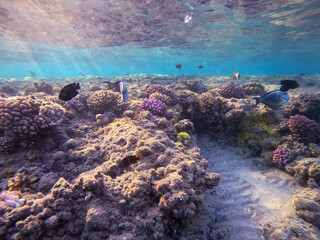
(210, 106)
(102, 101)
(27, 116)
(162, 97)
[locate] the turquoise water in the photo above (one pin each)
(107, 38)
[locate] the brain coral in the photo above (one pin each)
(102, 101)
(27, 116)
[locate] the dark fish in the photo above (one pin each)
(288, 84)
(179, 66)
(128, 161)
(33, 74)
(200, 67)
(120, 87)
(236, 75)
(81, 74)
(69, 91)
(274, 98)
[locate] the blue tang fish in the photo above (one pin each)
(274, 98)
(120, 87)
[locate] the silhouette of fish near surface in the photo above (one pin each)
(120, 87)
(288, 84)
(69, 91)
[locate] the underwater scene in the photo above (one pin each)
(160, 120)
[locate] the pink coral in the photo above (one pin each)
(303, 129)
(154, 106)
(280, 157)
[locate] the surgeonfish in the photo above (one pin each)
(120, 87)
(273, 99)
(236, 75)
(179, 66)
(288, 84)
(69, 91)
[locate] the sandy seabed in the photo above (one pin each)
(69, 177)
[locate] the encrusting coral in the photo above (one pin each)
(232, 90)
(155, 194)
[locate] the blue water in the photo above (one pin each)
(244, 36)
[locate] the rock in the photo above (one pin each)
(97, 219)
(51, 222)
(307, 205)
(47, 181)
(307, 168)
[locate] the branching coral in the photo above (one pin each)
(280, 157)
(303, 129)
(154, 106)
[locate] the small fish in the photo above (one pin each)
(200, 66)
(81, 74)
(236, 75)
(179, 66)
(273, 99)
(69, 91)
(288, 84)
(120, 87)
(128, 161)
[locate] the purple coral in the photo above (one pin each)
(280, 157)
(154, 106)
(232, 90)
(75, 105)
(159, 88)
(303, 129)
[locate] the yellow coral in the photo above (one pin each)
(182, 136)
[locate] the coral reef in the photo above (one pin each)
(258, 126)
(210, 107)
(254, 88)
(160, 89)
(307, 205)
(43, 87)
(162, 97)
(76, 105)
(26, 117)
(182, 136)
(150, 199)
(10, 199)
(7, 144)
(154, 106)
(280, 157)
(307, 104)
(303, 129)
(103, 101)
(307, 171)
(184, 125)
(232, 90)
